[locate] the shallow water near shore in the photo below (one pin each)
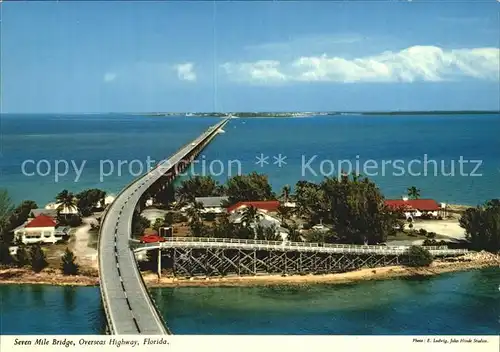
(452, 303)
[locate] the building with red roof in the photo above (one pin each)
(41, 220)
(42, 229)
(414, 207)
(265, 205)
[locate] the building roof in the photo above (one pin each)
(211, 201)
(49, 212)
(42, 221)
(413, 204)
(269, 205)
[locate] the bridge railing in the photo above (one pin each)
(295, 244)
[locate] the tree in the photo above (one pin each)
(224, 228)
(354, 206)
(22, 256)
(159, 222)
(168, 220)
(250, 216)
(194, 212)
(196, 225)
(482, 226)
(198, 186)
(286, 193)
(251, 187)
(21, 213)
(165, 195)
(139, 224)
(38, 259)
(88, 200)
(71, 220)
(68, 263)
(413, 192)
(6, 210)
(284, 213)
(66, 201)
(5, 257)
(293, 232)
(419, 256)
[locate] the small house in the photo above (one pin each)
(42, 229)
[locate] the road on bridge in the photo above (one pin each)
(128, 306)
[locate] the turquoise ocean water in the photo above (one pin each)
(456, 303)
(391, 141)
(463, 303)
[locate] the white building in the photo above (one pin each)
(212, 205)
(265, 220)
(42, 229)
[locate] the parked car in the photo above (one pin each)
(152, 239)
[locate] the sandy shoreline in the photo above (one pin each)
(54, 277)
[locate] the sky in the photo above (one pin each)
(72, 57)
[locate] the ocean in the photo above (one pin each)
(453, 159)
(289, 149)
(461, 303)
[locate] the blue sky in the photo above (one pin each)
(249, 56)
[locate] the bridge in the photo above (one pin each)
(128, 306)
(189, 256)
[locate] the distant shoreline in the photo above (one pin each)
(264, 114)
(55, 278)
(299, 114)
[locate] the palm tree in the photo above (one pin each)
(293, 233)
(284, 212)
(285, 193)
(250, 216)
(66, 201)
(194, 212)
(413, 192)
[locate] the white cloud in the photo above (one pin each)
(109, 76)
(186, 72)
(417, 63)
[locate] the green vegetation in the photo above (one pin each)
(22, 256)
(66, 200)
(68, 263)
(353, 207)
(251, 187)
(413, 192)
(198, 186)
(88, 200)
(482, 226)
(139, 224)
(419, 256)
(38, 259)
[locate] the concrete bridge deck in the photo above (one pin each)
(128, 306)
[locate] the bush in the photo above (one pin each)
(72, 221)
(208, 217)
(419, 256)
(431, 235)
(68, 265)
(38, 260)
(22, 256)
(178, 217)
(422, 232)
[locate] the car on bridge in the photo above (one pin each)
(152, 239)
